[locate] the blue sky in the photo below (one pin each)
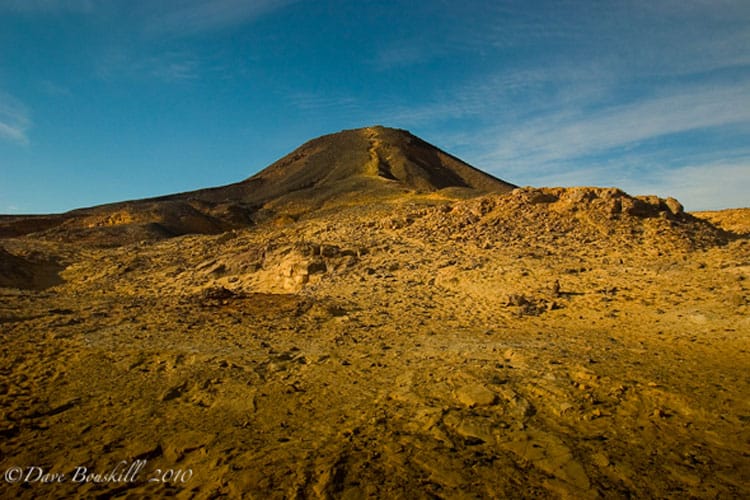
(119, 99)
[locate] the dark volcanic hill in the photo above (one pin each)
(352, 167)
(370, 162)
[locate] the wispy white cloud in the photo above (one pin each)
(405, 53)
(188, 17)
(169, 66)
(725, 48)
(47, 6)
(635, 39)
(172, 67)
(173, 18)
(14, 119)
(54, 89)
(511, 94)
(536, 116)
(569, 134)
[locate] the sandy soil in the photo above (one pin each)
(546, 344)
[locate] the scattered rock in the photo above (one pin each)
(674, 206)
(218, 293)
(475, 395)
(549, 454)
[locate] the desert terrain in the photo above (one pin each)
(370, 317)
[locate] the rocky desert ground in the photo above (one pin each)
(419, 342)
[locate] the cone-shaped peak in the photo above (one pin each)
(377, 158)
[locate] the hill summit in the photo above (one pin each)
(350, 168)
(365, 163)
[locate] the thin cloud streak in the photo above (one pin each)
(168, 67)
(173, 67)
(512, 95)
(196, 16)
(174, 18)
(53, 89)
(14, 120)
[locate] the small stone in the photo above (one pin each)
(475, 395)
(674, 206)
(600, 459)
